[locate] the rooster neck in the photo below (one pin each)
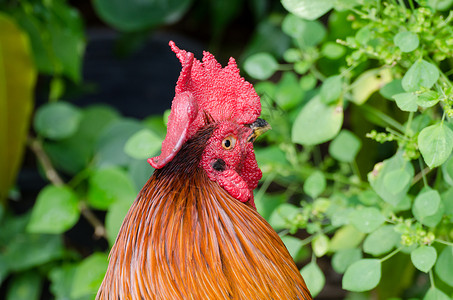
(185, 237)
(187, 160)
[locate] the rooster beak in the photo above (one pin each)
(259, 127)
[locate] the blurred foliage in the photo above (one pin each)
(360, 98)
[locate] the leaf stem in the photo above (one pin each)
(79, 177)
(99, 229)
(50, 172)
(411, 4)
(390, 254)
(355, 169)
(265, 185)
(383, 117)
(444, 242)
(408, 124)
(421, 174)
(53, 176)
(343, 179)
(431, 278)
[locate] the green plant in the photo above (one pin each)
(381, 69)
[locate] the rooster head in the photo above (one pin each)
(208, 95)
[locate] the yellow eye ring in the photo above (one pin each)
(229, 142)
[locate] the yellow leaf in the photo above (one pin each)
(368, 83)
(17, 82)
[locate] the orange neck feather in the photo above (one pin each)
(187, 238)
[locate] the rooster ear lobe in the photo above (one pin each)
(184, 111)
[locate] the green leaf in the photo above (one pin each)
(448, 204)
(367, 219)
(288, 93)
(342, 259)
(333, 50)
(317, 123)
(426, 204)
(331, 89)
(143, 144)
(315, 184)
(17, 83)
(306, 33)
(267, 203)
(392, 88)
(110, 144)
(406, 101)
(369, 197)
(346, 237)
(378, 175)
(55, 211)
(34, 28)
(67, 40)
(307, 9)
(368, 83)
(282, 216)
(268, 37)
(29, 250)
(57, 37)
(345, 146)
(302, 66)
(340, 216)
(107, 186)
(57, 120)
(428, 99)
(314, 278)
(61, 279)
(419, 122)
(271, 158)
(89, 275)
(294, 245)
(345, 5)
(424, 258)
(364, 35)
(435, 294)
(444, 266)
(73, 154)
(308, 82)
(292, 55)
(381, 241)
(114, 218)
(396, 180)
(435, 143)
(363, 275)
(261, 65)
(139, 171)
(320, 245)
(406, 41)
(137, 15)
(25, 286)
(420, 74)
(440, 5)
(4, 271)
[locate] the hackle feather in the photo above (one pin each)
(185, 237)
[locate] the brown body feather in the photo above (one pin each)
(186, 238)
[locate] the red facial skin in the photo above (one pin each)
(241, 174)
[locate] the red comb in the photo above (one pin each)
(205, 87)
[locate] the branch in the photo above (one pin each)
(49, 170)
(99, 229)
(53, 176)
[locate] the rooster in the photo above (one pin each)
(193, 232)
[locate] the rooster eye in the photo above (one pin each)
(229, 142)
